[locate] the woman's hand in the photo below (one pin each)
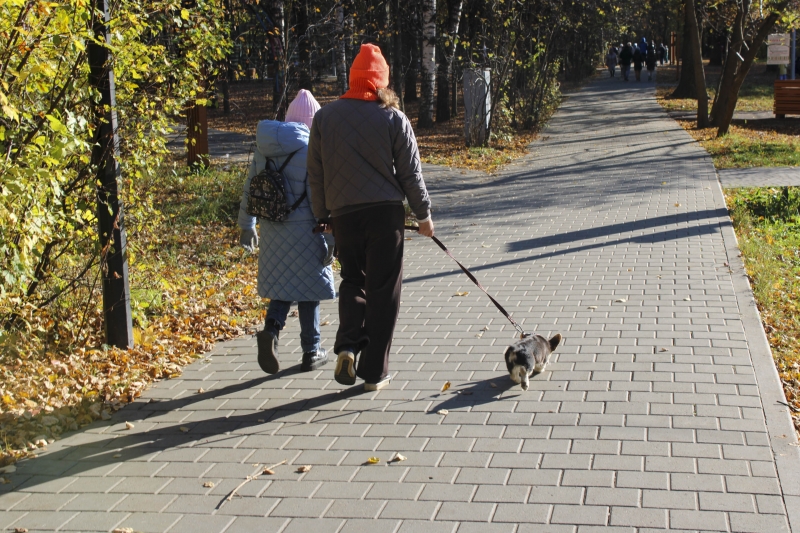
(426, 228)
(248, 238)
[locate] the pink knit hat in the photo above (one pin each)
(302, 108)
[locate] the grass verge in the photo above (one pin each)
(751, 143)
(767, 225)
(191, 286)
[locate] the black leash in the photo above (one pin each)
(475, 281)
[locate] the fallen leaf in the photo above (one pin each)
(373, 460)
(794, 444)
(461, 293)
(479, 335)
(466, 392)
(687, 299)
(493, 385)
(261, 420)
(443, 412)
(128, 425)
(399, 457)
(4, 481)
(485, 245)
(268, 472)
(294, 312)
(20, 530)
(326, 323)
(621, 300)
(200, 391)
(209, 484)
(116, 456)
(677, 204)
(663, 183)
(592, 307)
(446, 386)
(123, 530)
(304, 468)
(184, 429)
(662, 349)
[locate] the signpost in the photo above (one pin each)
(105, 151)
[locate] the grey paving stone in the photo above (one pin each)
(612, 437)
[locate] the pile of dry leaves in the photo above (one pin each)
(204, 291)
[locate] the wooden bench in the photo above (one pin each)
(787, 98)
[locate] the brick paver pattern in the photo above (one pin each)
(648, 417)
(760, 177)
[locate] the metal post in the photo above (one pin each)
(105, 151)
(793, 55)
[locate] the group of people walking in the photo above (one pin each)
(639, 54)
(356, 160)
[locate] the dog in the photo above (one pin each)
(529, 356)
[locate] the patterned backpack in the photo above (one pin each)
(267, 195)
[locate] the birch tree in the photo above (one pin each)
(443, 111)
(428, 61)
(341, 50)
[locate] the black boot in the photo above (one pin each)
(314, 360)
(268, 347)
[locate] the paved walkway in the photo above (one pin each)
(659, 411)
(760, 177)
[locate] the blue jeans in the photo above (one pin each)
(309, 321)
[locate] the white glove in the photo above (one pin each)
(248, 238)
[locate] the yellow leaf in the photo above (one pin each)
(304, 468)
(446, 386)
(461, 293)
(185, 14)
(373, 460)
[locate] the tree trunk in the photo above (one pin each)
(731, 62)
(412, 76)
(428, 63)
(341, 51)
(697, 63)
(443, 112)
(686, 86)
(397, 64)
(725, 115)
(304, 80)
(279, 89)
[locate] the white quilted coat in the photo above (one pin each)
(290, 256)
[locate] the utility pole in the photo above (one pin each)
(105, 152)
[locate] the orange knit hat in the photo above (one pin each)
(368, 74)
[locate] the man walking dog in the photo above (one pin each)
(363, 161)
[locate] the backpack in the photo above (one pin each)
(267, 195)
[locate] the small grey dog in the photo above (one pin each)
(529, 356)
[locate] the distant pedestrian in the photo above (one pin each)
(663, 54)
(611, 61)
(363, 161)
(650, 61)
(638, 62)
(293, 262)
(625, 58)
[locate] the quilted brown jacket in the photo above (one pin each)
(362, 154)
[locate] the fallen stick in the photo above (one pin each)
(251, 478)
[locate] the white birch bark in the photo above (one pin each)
(428, 63)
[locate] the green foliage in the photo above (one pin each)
(767, 223)
(161, 53)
